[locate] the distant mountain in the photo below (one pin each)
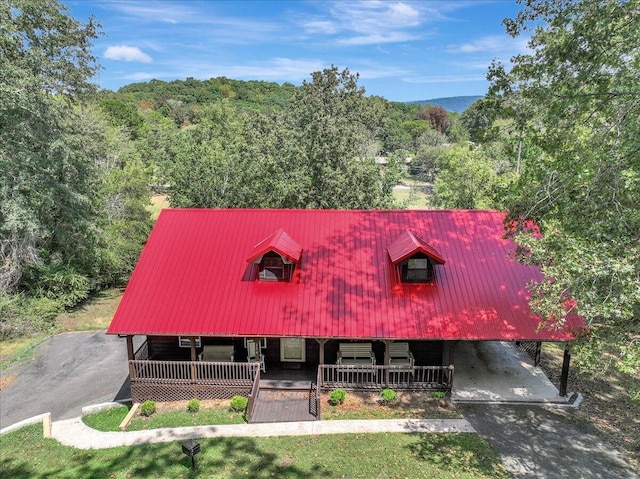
(451, 103)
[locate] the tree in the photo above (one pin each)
(575, 98)
(437, 118)
(45, 187)
(465, 179)
(335, 123)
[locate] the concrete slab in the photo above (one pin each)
(497, 371)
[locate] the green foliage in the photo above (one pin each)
(21, 315)
(574, 99)
(437, 394)
(388, 395)
(466, 179)
(147, 408)
(193, 405)
(337, 396)
(239, 403)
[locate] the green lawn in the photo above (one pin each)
(26, 454)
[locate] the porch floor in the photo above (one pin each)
(282, 405)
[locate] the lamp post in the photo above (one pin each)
(191, 448)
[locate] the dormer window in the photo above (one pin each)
(417, 269)
(274, 267)
(276, 257)
(414, 258)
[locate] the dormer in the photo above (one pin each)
(276, 257)
(414, 258)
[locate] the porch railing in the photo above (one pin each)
(253, 396)
(333, 376)
(183, 380)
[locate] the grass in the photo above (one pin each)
(26, 454)
(415, 196)
(93, 314)
(158, 202)
(107, 419)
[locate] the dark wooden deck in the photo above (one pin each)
(282, 405)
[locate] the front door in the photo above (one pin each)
(292, 350)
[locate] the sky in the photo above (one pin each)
(402, 50)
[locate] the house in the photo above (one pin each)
(361, 298)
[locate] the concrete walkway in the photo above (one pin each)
(73, 432)
(499, 372)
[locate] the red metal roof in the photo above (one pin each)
(191, 278)
(409, 244)
(281, 243)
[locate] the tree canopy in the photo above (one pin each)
(575, 98)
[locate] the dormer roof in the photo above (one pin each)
(408, 244)
(279, 242)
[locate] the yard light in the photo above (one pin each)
(191, 448)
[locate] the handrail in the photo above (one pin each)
(384, 376)
(255, 391)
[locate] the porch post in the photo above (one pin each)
(387, 360)
(130, 353)
(321, 343)
(564, 376)
(192, 339)
(452, 352)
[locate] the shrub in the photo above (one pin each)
(148, 408)
(337, 396)
(388, 395)
(437, 394)
(193, 405)
(239, 403)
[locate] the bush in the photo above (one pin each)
(437, 395)
(193, 405)
(148, 408)
(22, 316)
(239, 403)
(337, 396)
(388, 395)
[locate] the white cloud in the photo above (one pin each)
(367, 22)
(127, 54)
(491, 44)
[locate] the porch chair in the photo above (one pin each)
(400, 355)
(254, 353)
(217, 353)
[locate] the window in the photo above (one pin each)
(417, 269)
(273, 268)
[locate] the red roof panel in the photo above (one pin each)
(191, 278)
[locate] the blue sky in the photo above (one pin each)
(403, 50)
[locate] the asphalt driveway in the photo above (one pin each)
(69, 371)
(543, 443)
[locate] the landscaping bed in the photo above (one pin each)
(369, 405)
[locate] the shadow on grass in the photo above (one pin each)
(25, 454)
(459, 452)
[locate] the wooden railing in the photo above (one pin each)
(331, 376)
(253, 396)
(314, 401)
(168, 380)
